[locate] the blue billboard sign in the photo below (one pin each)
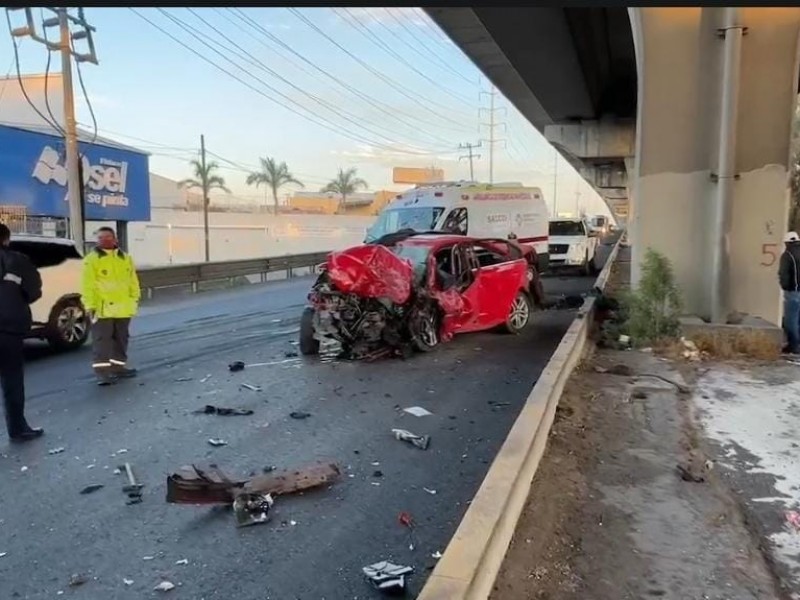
(33, 174)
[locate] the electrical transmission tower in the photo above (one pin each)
(469, 147)
(63, 20)
(492, 125)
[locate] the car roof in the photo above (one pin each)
(44, 239)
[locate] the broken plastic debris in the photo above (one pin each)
(3, 554)
(210, 409)
(78, 579)
(420, 441)
(431, 492)
(122, 451)
(56, 451)
(290, 354)
(148, 558)
(387, 577)
(90, 489)
(23, 469)
(236, 366)
(127, 581)
(252, 388)
(793, 518)
(206, 378)
(437, 555)
(299, 415)
(216, 442)
(252, 509)
(183, 561)
(164, 586)
(417, 411)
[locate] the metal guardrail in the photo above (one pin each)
(151, 278)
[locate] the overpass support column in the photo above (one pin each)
(710, 182)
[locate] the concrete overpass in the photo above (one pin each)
(679, 117)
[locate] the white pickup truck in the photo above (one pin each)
(573, 244)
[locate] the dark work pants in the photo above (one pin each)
(12, 377)
(110, 345)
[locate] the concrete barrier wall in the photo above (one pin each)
(176, 237)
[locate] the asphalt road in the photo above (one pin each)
(316, 544)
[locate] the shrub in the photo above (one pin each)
(654, 307)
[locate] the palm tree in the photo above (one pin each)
(274, 176)
(206, 179)
(345, 184)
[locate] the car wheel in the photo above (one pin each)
(586, 269)
(425, 330)
(519, 315)
(309, 345)
(68, 327)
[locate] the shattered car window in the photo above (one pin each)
(417, 255)
(420, 218)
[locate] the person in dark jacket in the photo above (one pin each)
(20, 286)
(789, 278)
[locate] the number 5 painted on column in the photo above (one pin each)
(770, 251)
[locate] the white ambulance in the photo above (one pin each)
(470, 208)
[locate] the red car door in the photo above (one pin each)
(499, 284)
(459, 298)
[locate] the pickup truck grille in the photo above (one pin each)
(558, 248)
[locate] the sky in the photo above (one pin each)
(318, 88)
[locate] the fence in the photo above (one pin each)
(194, 274)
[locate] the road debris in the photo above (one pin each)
(78, 579)
(437, 555)
(236, 366)
(148, 558)
(430, 491)
(793, 519)
(377, 473)
(221, 411)
(133, 488)
(417, 411)
(192, 485)
(252, 388)
(217, 442)
(128, 582)
(290, 354)
(3, 554)
(23, 469)
(206, 378)
(420, 441)
(56, 451)
(90, 489)
(299, 415)
(184, 379)
(388, 577)
(164, 586)
(691, 473)
(252, 509)
(183, 561)
(623, 370)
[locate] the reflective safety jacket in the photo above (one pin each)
(110, 286)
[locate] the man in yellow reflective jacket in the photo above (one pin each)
(110, 294)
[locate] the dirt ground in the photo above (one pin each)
(609, 516)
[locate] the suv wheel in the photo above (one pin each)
(68, 327)
(309, 345)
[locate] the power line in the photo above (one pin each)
(470, 156)
(379, 75)
(364, 30)
(383, 108)
(341, 113)
(288, 107)
(431, 52)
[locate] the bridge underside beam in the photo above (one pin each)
(681, 53)
(601, 151)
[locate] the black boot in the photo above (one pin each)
(27, 434)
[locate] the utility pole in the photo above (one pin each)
(62, 20)
(492, 125)
(74, 182)
(205, 195)
(469, 147)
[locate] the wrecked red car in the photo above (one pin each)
(411, 291)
